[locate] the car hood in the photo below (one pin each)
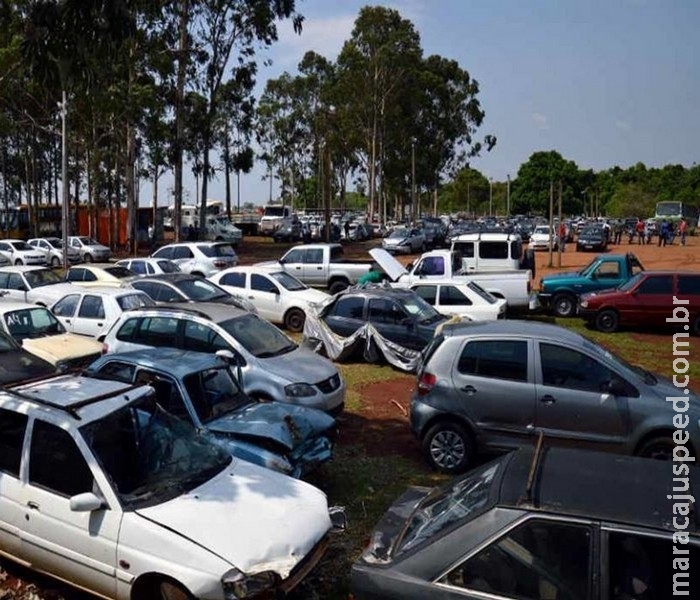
(392, 267)
(300, 366)
(310, 295)
(254, 518)
(599, 293)
(62, 347)
(17, 365)
(52, 292)
(561, 277)
(286, 424)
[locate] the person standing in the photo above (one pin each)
(682, 230)
(639, 230)
(663, 232)
(562, 236)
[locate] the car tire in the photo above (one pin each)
(337, 286)
(607, 321)
(294, 320)
(564, 305)
(88, 258)
(658, 448)
(18, 262)
(160, 588)
(448, 448)
(55, 262)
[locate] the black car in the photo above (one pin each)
(592, 238)
(289, 232)
(16, 364)
(560, 524)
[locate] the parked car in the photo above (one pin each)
(36, 285)
(289, 232)
(278, 296)
(18, 252)
(561, 524)
(92, 311)
(646, 300)
(90, 249)
(542, 237)
(404, 240)
(491, 385)
(92, 275)
(199, 258)
(16, 364)
(462, 298)
(125, 500)
(53, 247)
(148, 266)
(39, 332)
(592, 238)
(183, 287)
(272, 366)
(202, 390)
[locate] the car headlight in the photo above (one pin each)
(238, 585)
(584, 303)
(299, 390)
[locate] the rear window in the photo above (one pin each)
(493, 250)
(119, 272)
(218, 250)
(134, 301)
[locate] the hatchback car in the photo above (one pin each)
(272, 366)
(492, 385)
(592, 238)
(90, 249)
(148, 266)
(106, 491)
(404, 240)
(277, 296)
(108, 275)
(559, 524)
(37, 285)
(542, 237)
(18, 252)
(91, 312)
(199, 258)
(53, 247)
(646, 300)
(466, 299)
(203, 390)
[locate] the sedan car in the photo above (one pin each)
(99, 275)
(199, 258)
(92, 311)
(555, 524)
(542, 238)
(404, 240)
(203, 390)
(18, 252)
(16, 364)
(465, 299)
(592, 238)
(149, 266)
(277, 296)
(37, 285)
(489, 386)
(53, 247)
(90, 249)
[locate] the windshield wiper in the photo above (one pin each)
(280, 352)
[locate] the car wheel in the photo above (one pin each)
(658, 448)
(564, 305)
(88, 258)
(55, 262)
(607, 321)
(337, 286)
(448, 448)
(294, 320)
(18, 262)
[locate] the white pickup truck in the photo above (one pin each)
(514, 286)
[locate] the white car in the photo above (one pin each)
(91, 312)
(278, 296)
(18, 252)
(106, 275)
(542, 238)
(148, 266)
(53, 247)
(39, 332)
(199, 258)
(37, 285)
(90, 249)
(465, 299)
(126, 501)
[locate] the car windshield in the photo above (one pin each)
(419, 308)
(594, 232)
(200, 289)
(289, 282)
(54, 242)
(22, 246)
(223, 250)
(259, 337)
(168, 266)
(39, 277)
(477, 289)
(119, 272)
(150, 456)
(446, 505)
(399, 232)
(631, 282)
(32, 323)
(134, 301)
(647, 376)
(6, 343)
(214, 393)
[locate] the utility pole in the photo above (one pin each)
(508, 198)
(551, 222)
(490, 196)
(64, 177)
(560, 225)
(414, 209)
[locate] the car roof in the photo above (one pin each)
(99, 290)
(513, 328)
(175, 361)
(260, 268)
(378, 290)
(24, 268)
(212, 311)
(168, 277)
(593, 485)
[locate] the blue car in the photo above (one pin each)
(203, 390)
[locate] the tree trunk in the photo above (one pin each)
(179, 117)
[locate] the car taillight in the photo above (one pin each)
(426, 383)
(220, 264)
(529, 286)
(105, 349)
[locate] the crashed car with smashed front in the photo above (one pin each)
(105, 490)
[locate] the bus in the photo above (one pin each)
(675, 211)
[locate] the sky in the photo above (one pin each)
(603, 82)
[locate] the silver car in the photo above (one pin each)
(53, 247)
(199, 258)
(272, 366)
(403, 240)
(496, 385)
(90, 249)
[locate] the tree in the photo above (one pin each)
(531, 188)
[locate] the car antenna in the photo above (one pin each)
(534, 466)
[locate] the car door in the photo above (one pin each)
(293, 262)
(494, 388)
(573, 406)
(453, 301)
(13, 426)
(647, 304)
(15, 286)
(346, 315)
(394, 323)
(184, 258)
(266, 296)
(312, 270)
(91, 318)
(75, 545)
(65, 310)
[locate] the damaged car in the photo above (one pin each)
(202, 389)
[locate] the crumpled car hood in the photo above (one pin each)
(300, 366)
(286, 424)
(254, 518)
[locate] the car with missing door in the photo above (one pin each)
(493, 385)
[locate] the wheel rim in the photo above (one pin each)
(661, 450)
(54, 261)
(448, 449)
(564, 306)
(295, 321)
(607, 321)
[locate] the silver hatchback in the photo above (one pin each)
(497, 385)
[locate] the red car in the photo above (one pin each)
(647, 299)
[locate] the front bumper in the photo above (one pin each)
(545, 299)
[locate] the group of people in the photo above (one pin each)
(667, 232)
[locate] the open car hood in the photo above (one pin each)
(392, 267)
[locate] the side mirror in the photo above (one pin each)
(86, 502)
(616, 387)
(273, 290)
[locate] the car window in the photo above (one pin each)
(32, 322)
(294, 256)
(539, 559)
(12, 428)
(225, 250)
(432, 265)
(500, 359)
(261, 283)
(567, 368)
(493, 249)
(688, 285)
(258, 336)
(383, 310)
(3, 280)
(131, 301)
(427, 292)
(56, 463)
(65, 307)
(120, 371)
(137, 266)
(168, 267)
(202, 338)
(656, 284)
(167, 393)
(14, 282)
(214, 393)
(233, 279)
(607, 270)
(92, 308)
(182, 252)
(452, 296)
(313, 257)
(166, 253)
(75, 274)
(348, 308)
(157, 331)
